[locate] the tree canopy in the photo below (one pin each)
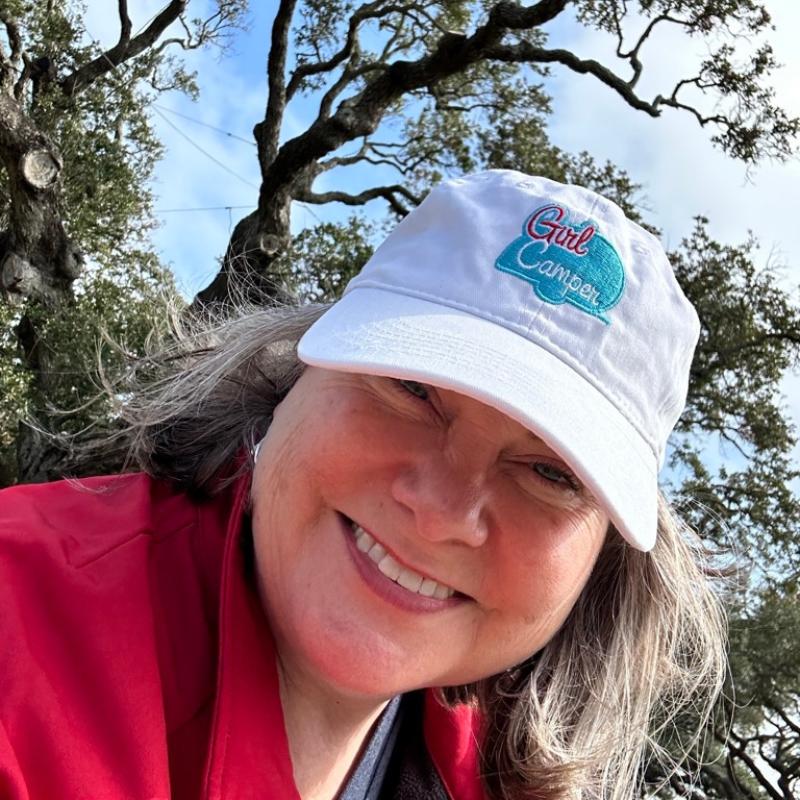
(77, 151)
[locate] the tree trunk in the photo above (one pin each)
(246, 273)
(37, 458)
(38, 261)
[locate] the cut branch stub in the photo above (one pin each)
(40, 168)
(269, 244)
(46, 275)
(17, 278)
(70, 265)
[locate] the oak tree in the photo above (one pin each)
(77, 150)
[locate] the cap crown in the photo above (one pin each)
(562, 267)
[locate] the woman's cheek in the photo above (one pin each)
(544, 565)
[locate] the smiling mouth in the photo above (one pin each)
(410, 580)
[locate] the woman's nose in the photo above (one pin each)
(447, 499)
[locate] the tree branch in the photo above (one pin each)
(723, 356)
(389, 193)
(267, 132)
(391, 47)
(373, 10)
(725, 435)
(633, 54)
(361, 114)
(397, 161)
(738, 751)
(8, 62)
(673, 102)
(125, 25)
(349, 74)
(525, 52)
(719, 778)
(124, 50)
(788, 721)
(618, 25)
(734, 784)
(326, 103)
(14, 37)
(346, 161)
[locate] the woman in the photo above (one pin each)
(444, 570)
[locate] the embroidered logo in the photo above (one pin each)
(566, 261)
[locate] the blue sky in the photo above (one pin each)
(682, 173)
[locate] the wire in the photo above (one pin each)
(204, 124)
(147, 23)
(185, 136)
(305, 207)
(308, 209)
(199, 208)
(158, 109)
(172, 110)
(205, 152)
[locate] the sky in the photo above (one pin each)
(682, 173)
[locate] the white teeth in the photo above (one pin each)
(389, 567)
(401, 575)
(428, 587)
(364, 541)
(442, 592)
(377, 552)
(410, 580)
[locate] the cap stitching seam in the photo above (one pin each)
(564, 355)
(365, 351)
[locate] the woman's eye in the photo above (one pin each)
(413, 387)
(557, 475)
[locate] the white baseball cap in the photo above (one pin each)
(543, 301)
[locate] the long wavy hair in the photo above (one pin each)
(640, 657)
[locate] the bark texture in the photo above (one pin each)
(39, 260)
(288, 171)
(37, 257)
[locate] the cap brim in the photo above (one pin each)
(380, 332)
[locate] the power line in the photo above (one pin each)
(305, 206)
(158, 111)
(200, 208)
(147, 23)
(172, 110)
(205, 152)
(204, 124)
(188, 138)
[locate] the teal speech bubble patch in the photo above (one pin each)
(566, 263)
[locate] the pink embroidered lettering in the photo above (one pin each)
(546, 225)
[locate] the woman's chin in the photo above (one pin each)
(356, 662)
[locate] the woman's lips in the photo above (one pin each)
(391, 591)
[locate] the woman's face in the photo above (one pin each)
(485, 525)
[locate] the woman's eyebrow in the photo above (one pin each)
(532, 437)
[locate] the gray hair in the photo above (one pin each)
(643, 647)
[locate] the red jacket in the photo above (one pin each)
(135, 660)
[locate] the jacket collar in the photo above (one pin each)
(249, 754)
